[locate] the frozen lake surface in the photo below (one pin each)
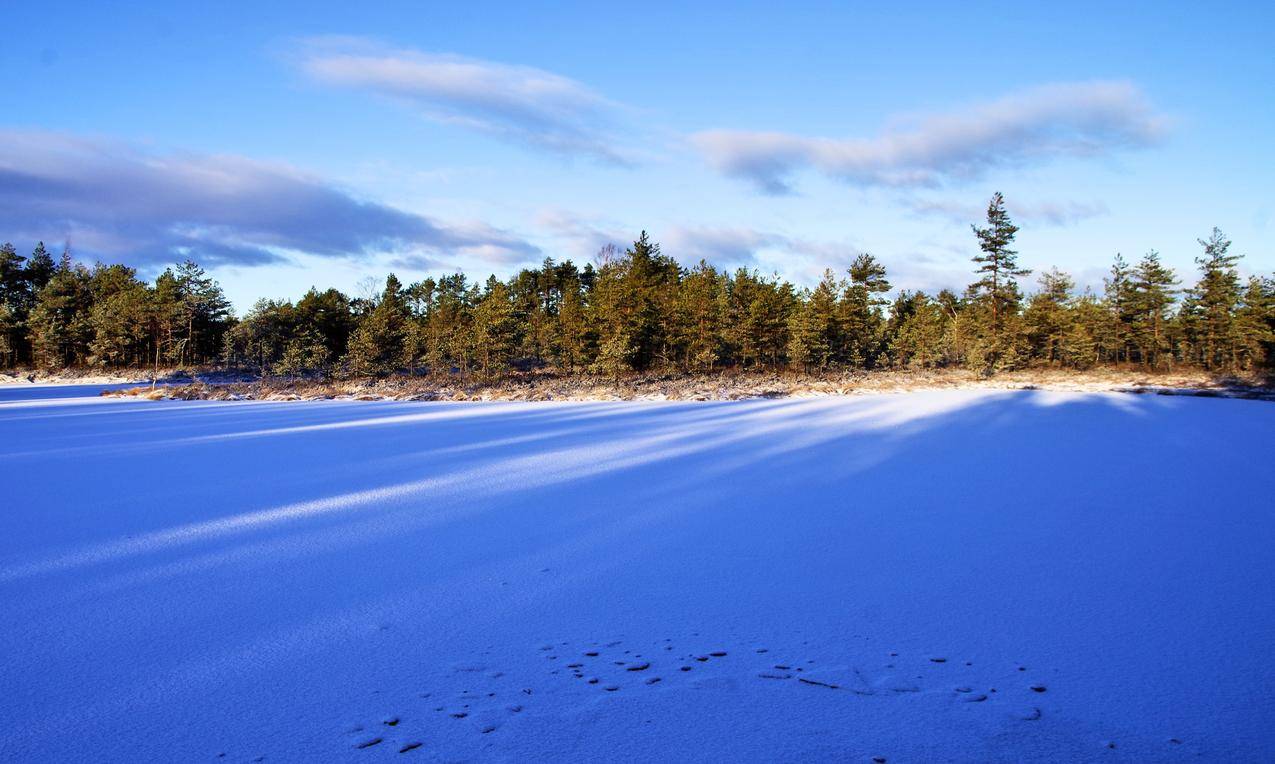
(934, 576)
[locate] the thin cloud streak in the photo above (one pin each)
(1085, 119)
(521, 104)
(1052, 213)
(724, 246)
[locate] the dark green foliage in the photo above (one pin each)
(277, 337)
(757, 319)
(1209, 312)
(639, 310)
(1088, 333)
(1154, 289)
(918, 331)
(1050, 317)
(13, 275)
(1255, 324)
(1119, 290)
(700, 314)
(815, 330)
(996, 338)
(633, 300)
(328, 315)
(861, 318)
(493, 335)
(39, 269)
(261, 337)
(306, 353)
(378, 345)
(59, 323)
(998, 264)
(21, 280)
(192, 315)
(13, 303)
(120, 317)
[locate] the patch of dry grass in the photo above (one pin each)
(546, 386)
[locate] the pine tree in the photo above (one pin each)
(1212, 305)
(996, 339)
(631, 307)
(962, 338)
(494, 331)
(328, 314)
(757, 314)
(119, 317)
(13, 303)
(998, 264)
(861, 312)
(263, 336)
(1153, 289)
(639, 310)
(1081, 347)
(60, 325)
(1049, 316)
(917, 332)
(572, 332)
(9, 333)
(377, 345)
(306, 352)
(39, 269)
(700, 307)
(1255, 323)
(652, 278)
(814, 329)
(616, 351)
(194, 314)
(445, 319)
(1118, 289)
(12, 275)
(767, 323)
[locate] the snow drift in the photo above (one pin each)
(948, 575)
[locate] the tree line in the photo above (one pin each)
(639, 310)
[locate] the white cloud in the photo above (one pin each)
(582, 236)
(721, 246)
(1055, 213)
(518, 103)
(115, 201)
(1083, 119)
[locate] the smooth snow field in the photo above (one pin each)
(961, 576)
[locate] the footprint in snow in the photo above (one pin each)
(607, 667)
(616, 664)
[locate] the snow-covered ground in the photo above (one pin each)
(935, 576)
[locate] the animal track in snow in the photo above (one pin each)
(611, 666)
(477, 700)
(471, 700)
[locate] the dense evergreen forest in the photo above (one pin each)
(640, 310)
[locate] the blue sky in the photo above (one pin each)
(324, 143)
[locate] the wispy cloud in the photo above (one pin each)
(1084, 119)
(1060, 213)
(114, 200)
(582, 236)
(724, 246)
(804, 260)
(516, 103)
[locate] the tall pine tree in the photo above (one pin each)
(997, 341)
(1153, 288)
(998, 264)
(1211, 305)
